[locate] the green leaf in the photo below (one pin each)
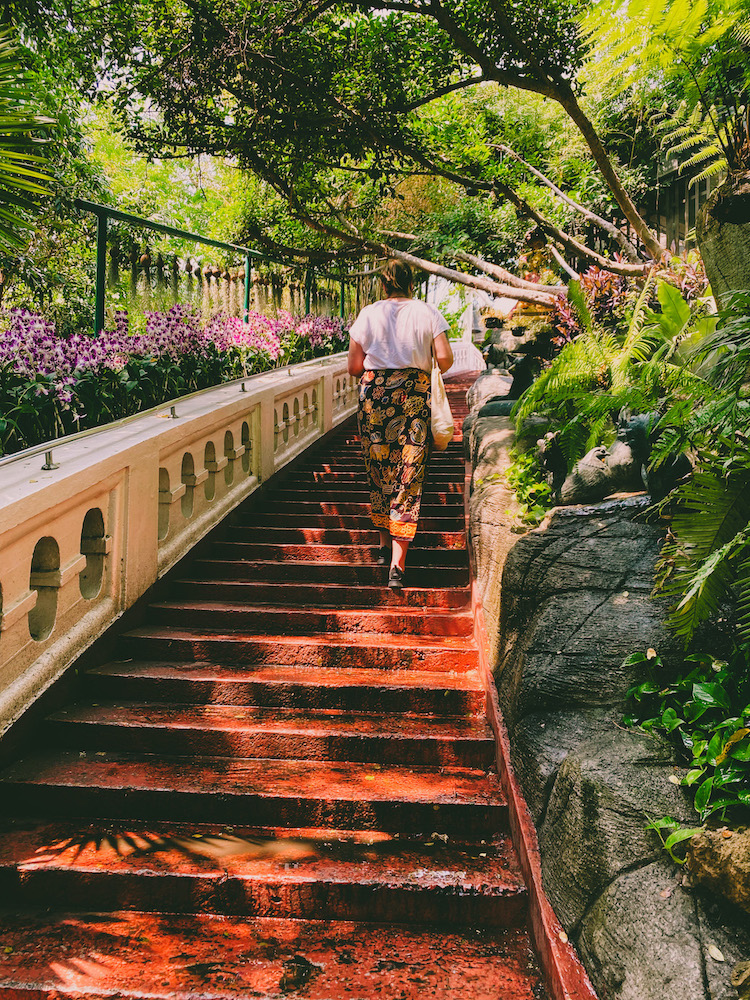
(703, 794)
(741, 751)
(670, 720)
(719, 805)
(712, 695)
(693, 776)
(679, 836)
(715, 746)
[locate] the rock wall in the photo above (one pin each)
(565, 605)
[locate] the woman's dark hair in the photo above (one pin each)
(397, 278)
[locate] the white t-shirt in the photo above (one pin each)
(398, 333)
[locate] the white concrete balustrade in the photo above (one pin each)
(79, 544)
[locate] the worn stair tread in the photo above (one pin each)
(365, 689)
(267, 777)
(453, 511)
(286, 552)
(441, 651)
(352, 493)
(375, 639)
(227, 718)
(334, 595)
(314, 477)
(283, 673)
(375, 636)
(337, 536)
(353, 574)
(205, 957)
(204, 852)
(317, 519)
(320, 619)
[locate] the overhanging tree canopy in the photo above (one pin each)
(332, 102)
(315, 96)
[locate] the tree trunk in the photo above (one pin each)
(722, 230)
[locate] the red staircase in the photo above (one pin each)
(284, 784)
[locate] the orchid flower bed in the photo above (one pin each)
(51, 386)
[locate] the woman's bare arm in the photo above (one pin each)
(356, 358)
(443, 352)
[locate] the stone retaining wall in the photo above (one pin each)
(565, 604)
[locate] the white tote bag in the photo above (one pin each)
(441, 416)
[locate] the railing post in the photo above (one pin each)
(248, 280)
(101, 271)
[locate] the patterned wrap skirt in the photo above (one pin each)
(394, 426)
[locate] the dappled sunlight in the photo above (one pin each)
(103, 845)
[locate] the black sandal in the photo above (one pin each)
(396, 578)
(384, 555)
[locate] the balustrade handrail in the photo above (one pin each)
(104, 213)
(47, 446)
(82, 542)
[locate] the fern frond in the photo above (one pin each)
(671, 442)
(743, 600)
(572, 374)
(712, 530)
(697, 131)
(711, 511)
(712, 170)
(708, 586)
(575, 294)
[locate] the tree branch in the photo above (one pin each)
(579, 249)
(609, 227)
(507, 276)
(473, 281)
(563, 262)
(568, 101)
(449, 88)
(561, 92)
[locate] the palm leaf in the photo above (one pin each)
(712, 539)
(19, 159)
(743, 601)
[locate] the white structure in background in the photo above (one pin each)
(465, 305)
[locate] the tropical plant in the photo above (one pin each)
(603, 371)
(704, 709)
(707, 555)
(21, 179)
(699, 49)
(698, 137)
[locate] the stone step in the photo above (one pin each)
(331, 649)
(292, 874)
(264, 620)
(439, 461)
(350, 554)
(314, 477)
(335, 493)
(338, 536)
(314, 518)
(322, 688)
(353, 574)
(260, 793)
(249, 731)
(219, 586)
(325, 508)
(146, 956)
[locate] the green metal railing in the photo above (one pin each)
(104, 213)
